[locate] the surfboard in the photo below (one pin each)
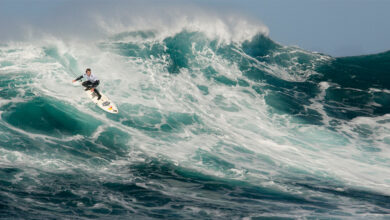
(104, 103)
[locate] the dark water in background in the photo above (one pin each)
(207, 129)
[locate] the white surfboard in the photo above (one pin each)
(104, 103)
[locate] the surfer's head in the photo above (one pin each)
(88, 71)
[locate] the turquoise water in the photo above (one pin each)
(209, 128)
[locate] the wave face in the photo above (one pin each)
(208, 128)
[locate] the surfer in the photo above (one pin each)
(91, 83)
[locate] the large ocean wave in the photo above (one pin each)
(217, 121)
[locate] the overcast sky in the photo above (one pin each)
(334, 27)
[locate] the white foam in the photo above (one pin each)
(226, 28)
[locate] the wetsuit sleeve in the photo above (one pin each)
(78, 78)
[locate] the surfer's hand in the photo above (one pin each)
(93, 89)
(73, 81)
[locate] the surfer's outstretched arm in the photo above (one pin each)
(78, 78)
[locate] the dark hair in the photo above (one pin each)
(88, 69)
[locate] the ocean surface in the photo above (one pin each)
(210, 126)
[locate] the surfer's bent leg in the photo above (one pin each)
(87, 85)
(94, 85)
(97, 93)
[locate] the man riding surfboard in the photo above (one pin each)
(91, 82)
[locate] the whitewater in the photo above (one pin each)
(217, 121)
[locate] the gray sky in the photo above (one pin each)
(335, 27)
